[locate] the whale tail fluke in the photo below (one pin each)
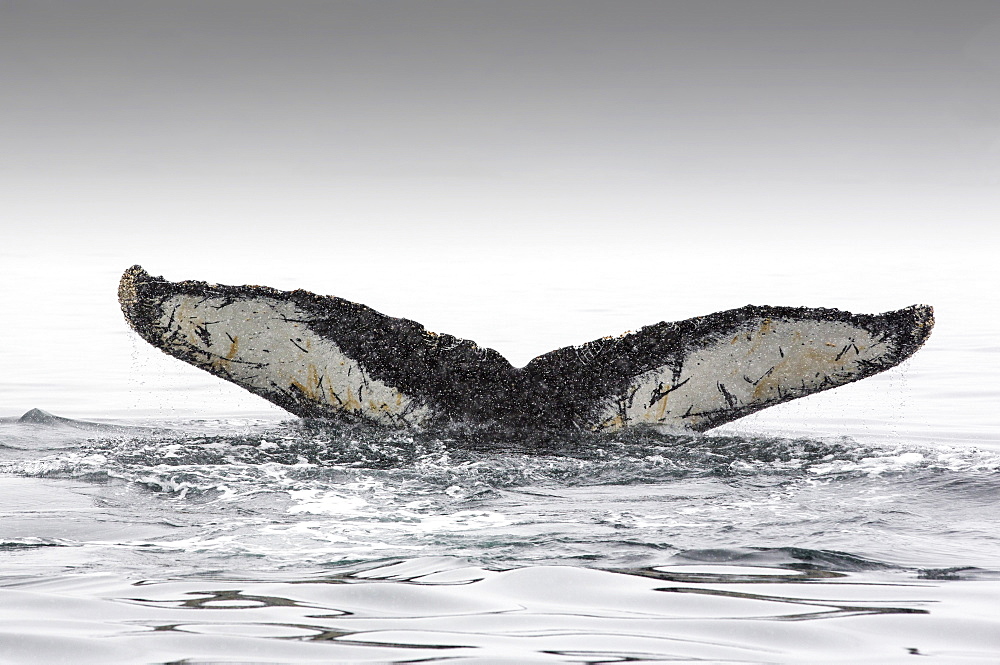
(326, 357)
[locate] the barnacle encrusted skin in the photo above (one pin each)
(326, 357)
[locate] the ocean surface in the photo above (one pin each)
(163, 517)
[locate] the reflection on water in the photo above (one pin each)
(441, 609)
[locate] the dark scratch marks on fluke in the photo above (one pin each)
(202, 332)
(765, 374)
(729, 397)
(441, 379)
(659, 393)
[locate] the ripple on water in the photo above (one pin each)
(440, 609)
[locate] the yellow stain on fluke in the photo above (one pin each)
(221, 363)
(661, 410)
(351, 403)
(611, 423)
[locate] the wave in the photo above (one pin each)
(331, 454)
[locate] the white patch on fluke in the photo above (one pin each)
(769, 362)
(262, 344)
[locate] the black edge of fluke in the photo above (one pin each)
(326, 357)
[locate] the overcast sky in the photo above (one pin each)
(436, 113)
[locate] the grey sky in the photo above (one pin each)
(891, 91)
(439, 121)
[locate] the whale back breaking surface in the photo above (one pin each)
(326, 357)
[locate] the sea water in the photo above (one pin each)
(173, 518)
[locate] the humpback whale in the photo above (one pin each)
(330, 358)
